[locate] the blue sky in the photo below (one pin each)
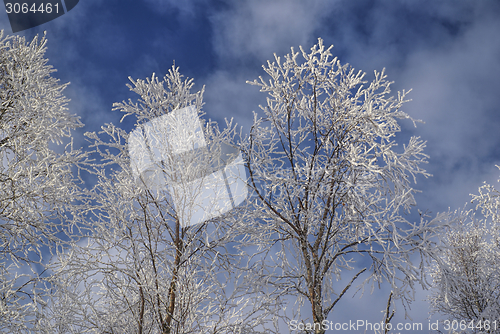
(448, 52)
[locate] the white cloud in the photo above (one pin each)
(260, 28)
(186, 8)
(454, 92)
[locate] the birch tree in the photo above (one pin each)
(330, 188)
(467, 281)
(38, 190)
(144, 270)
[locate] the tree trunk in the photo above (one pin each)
(167, 326)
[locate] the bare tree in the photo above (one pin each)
(467, 279)
(329, 186)
(148, 266)
(38, 190)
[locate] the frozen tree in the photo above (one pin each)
(147, 268)
(329, 187)
(467, 279)
(38, 190)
